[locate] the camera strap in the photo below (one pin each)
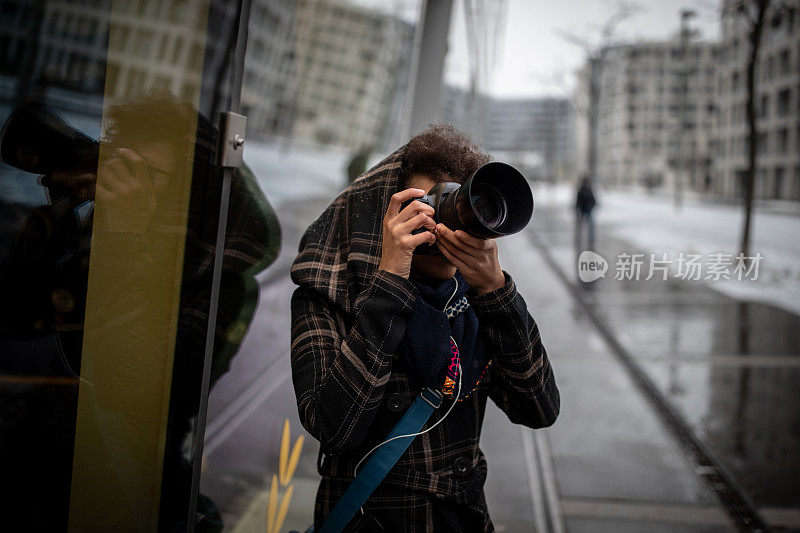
(382, 460)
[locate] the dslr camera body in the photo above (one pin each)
(495, 201)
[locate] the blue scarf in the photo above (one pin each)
(426, 346)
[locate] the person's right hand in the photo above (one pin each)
(398, 242)
(125, 192)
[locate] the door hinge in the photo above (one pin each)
(231, 131)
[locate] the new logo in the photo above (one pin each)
(591, 266)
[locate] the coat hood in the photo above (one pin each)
(340, 251)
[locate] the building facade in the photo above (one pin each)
(656, 114)
(535, 132)
(270, 74)
(348, 62)
(777, 89)
(540, 125)
(679, 122)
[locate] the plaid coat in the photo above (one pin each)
(348, 319)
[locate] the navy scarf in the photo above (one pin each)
(426, 346)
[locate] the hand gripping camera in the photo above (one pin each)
(495, 201)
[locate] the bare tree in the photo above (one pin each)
(595, 48)
(754, 13)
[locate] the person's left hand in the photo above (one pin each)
(475, 258)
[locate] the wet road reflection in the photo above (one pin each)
(731, 367)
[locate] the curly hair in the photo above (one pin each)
(443, 153)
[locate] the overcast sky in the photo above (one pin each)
(535, 60)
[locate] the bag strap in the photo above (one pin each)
(382, 460)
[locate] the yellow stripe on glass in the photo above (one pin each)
(155, 51)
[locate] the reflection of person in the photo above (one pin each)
(44, 283)
(369, 332)
(584, 204)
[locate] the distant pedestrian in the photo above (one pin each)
(584, 204)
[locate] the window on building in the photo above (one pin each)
(762, 143)
(796, 193)
(763, 106)
(783, 62)
(782, 141)
(797, 139)
(161, 50)
(177, 50)
(776, 21)
(777, 188)
(784, 98)
(178, 10)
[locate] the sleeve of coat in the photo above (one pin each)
(522, 381)
(339, 380)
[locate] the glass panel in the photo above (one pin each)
(325, 87)
(110, 198)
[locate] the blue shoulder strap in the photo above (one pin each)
(382, 460)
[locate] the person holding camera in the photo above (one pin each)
(390, 303)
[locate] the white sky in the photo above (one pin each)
(535, 60)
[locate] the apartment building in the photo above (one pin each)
(777, 87)
(348, 60)
(656, 114)
(520, 127)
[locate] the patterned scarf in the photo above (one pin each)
(428, 345)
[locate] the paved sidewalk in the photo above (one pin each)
(615, 467)
(729, 368)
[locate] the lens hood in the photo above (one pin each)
(495, 201)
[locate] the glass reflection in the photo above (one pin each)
(106, 259)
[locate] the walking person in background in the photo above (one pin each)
(584, 204)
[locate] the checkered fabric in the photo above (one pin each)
(348, 318)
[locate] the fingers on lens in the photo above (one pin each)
(414, 208)
(421, 238)
(474, 242)
(421, 220)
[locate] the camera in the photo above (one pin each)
(494, 201)
(36, 138)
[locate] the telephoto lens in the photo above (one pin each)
(36, 138)
(495, 201)
(489, 205)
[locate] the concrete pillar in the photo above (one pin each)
(424, 98)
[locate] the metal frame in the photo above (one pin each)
(234, 103)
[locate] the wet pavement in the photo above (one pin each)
(731, 368)
(610, 463)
